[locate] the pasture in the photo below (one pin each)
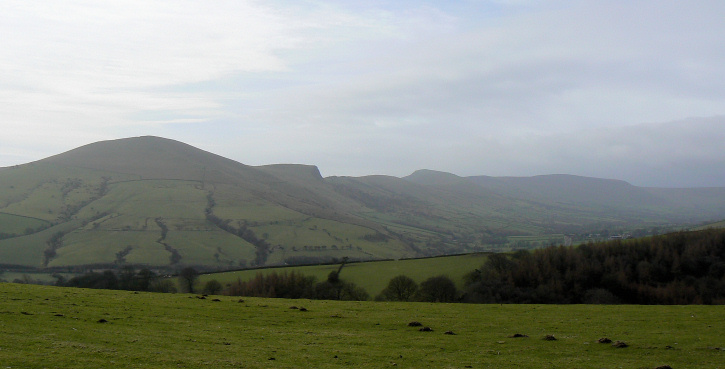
(64, 327)
(372, 276)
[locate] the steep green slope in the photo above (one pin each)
(163, 203)
(154, 158)
(159, 202)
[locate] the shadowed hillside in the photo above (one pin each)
(568, 189)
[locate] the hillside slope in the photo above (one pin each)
(159, 202)
(163, 203)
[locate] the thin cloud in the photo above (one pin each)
(482, 87)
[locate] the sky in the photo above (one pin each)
(631, 90)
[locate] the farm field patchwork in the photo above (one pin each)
(64, 327)
(86, 207)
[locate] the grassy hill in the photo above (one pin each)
(147, 201)
(67, 327)
(163, 203)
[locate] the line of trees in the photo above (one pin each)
(262, 247)
(435, 289)
(128, 278)
(678, 268)
(295, 285)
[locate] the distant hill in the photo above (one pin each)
(602, 196)
(163, 203)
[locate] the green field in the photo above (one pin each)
(372, 276)
(720, 224)
(18, 225)
(50, 327)
(536, 241)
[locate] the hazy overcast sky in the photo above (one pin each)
(631, 90)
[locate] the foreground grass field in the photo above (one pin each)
(64, 327)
